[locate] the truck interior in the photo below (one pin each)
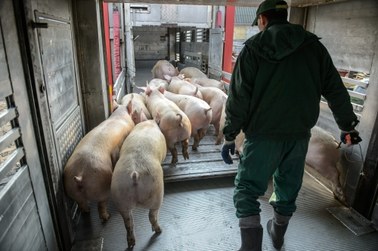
(62, 62)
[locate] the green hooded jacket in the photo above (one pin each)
(277, 83)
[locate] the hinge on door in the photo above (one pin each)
(37, 25)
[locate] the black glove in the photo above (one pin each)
(227, 148)
(350, 137)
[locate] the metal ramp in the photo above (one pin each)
(199, 215)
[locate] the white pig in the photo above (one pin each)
(323, 155)
(162, 68)
(157, 82)
(173, 122)
(180, 86)
(192, 72)
(88, 172)
(207, 82)
(198, 111)
(140, 111)
(216, 99)
(138, 176)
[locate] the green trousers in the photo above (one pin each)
(262, 159)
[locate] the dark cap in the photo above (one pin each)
(269, 5)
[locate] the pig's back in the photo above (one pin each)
(142, 152)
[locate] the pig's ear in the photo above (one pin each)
(157, 118)
(114, 105)
(161, 89)
(147, 90)
(130, 107)
(168, 78)
(142, 116)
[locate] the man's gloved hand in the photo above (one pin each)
(350, 137)
(227, 148)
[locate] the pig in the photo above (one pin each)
(217, 100)
(173, 122)
(140, 111)
(207, 82)
(88, 172)
(157, 82)
(192, 72)
(180, 86)
(323, 155)
(138, 176)
(198, 111)
(164, 68)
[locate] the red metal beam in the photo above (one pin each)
(105, 11)
(229, 38)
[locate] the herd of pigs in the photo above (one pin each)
(121, 158)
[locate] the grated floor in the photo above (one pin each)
(199, 215)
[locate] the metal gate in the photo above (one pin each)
(58, 101)
(25, 217)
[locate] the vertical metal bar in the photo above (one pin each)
(116, 39)
(130, 56)
(105, 11)
(229, 38)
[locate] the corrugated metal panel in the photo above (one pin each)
(19, 224)
(245, 15)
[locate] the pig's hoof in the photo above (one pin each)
(173, 162)
(156, 229)
(130, 243)
(105, 217)
(186, 155)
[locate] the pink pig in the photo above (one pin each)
(138, 176)
(88, 172)
(173, 122)
(198, 111)
(162, 68)
(216, 99)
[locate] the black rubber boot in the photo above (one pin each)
(251, 239)
(276, 228)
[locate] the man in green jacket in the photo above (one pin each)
(275, 90)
